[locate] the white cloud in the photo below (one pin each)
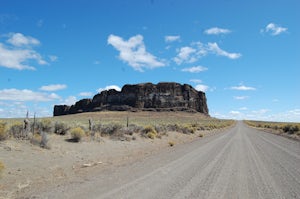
(216, 31)
(133, 52)
(197, 81)
(274, 29)
(20, 53)
(242, 88)
(201, 87)
(186, 54)
(18, 39)
(171, 38)
(295, 112)
(190, 54)
(117, 88)
(243, 108)
(214, 48)
(85, 94)
(194, 69)
(53, 87)
(26, 95)
(69, 101)
(235, 113)
(241, 97)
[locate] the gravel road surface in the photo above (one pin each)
(239, 163)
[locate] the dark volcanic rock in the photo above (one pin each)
(166, 96)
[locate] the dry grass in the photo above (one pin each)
(77, 134)
(280, 127)
(3, 132)
(117, 124)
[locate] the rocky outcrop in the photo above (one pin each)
(165, 96)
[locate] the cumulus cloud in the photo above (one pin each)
(27, 95)
(242, 88)
(197, 50)
(19, 52)
(234, 112)
(186, 54)
(117, 88)
(274, 29)
(194, 69)
(53, 87)
(133, 52)
(171, 38)
(201, 87)
(18, 39)
(214, 48)
(216, 31)
(69, 101)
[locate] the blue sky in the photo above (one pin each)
(244, 54)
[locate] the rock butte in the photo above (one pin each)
(164, 96)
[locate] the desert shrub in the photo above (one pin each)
(44, 140)
(110, 129)
(77, 133)
(188, 129)
(44, 125)
(201, 135)
(131, 129)
(173, 127)
(171, 143)
(16, 130)
(61, 128)
(3, 132)
(150, 132)
(291, 129)
(161, 129)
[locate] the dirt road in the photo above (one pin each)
(239, 163)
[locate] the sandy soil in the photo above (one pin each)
(30, 168)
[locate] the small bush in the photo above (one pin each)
(131, 129)
(110, 129)
(171, 143)
(16, 130)
(45, 125)
(61, 128)
(44, 140)
(150, 132)
(36, 139)
(77, 134)
(3, 132)
(291, 129)
(188, 129)
(201, 135)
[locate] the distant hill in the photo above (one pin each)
(164, 96)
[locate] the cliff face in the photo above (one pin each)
(155, 97)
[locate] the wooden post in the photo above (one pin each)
(91, 128)
(127, 124)
(33, 125)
